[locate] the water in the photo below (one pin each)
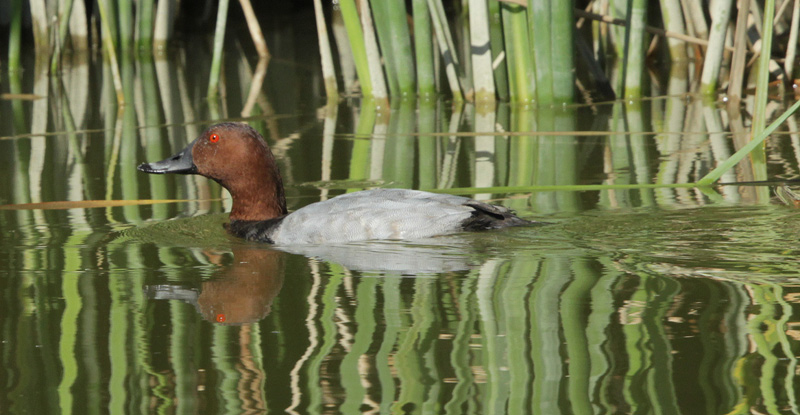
(668, 300)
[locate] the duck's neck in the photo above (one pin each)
(258, 198)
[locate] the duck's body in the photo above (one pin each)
(259, 207)
(377, 214)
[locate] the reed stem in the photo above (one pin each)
(423, 49)
(401, 46)
(145, 15)
(483, 74)
(79, 28)
(498, 50)
(328, 73)
(383, 27)
(539, 18)
(791, 48)
(163, 27)
(14, 36)
(63, 29)
(110, 49)
(673, 22)
(695, 9)
(720, 15)
(563, 27)
(462, 30)
(521, 70)
(125, 13)
(41, 31)
(715, 174)
(762, 85)
(445, 48)
(739, 52)
(255, 29)
(357, 43)
(219, 41)
(636, 47)
(379, 94)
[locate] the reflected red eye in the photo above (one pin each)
(213, 138)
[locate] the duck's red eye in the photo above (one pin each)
(213, 138)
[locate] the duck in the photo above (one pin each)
(237, 157)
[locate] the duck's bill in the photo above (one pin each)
(180, 163)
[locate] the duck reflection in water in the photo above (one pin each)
(241, 293)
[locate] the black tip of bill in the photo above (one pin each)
(180, 163)
(145, 167)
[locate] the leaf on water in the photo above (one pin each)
(84, 204)
(519, 2)
(21, 97)
(343, 184)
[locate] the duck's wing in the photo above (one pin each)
(389, 214)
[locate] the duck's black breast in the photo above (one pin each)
(258, 231)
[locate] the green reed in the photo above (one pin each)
(106, 20)
(383, 24)
(519, 64)
(125, 16)
(423, 49)
(540, 32)
(563, 68)
(15, 35)
(144, 15)
(219, 42)
(401, 46)
(498, 50)
(759, 132)
(446, 48)
(357, 44)
(504, 74)
(762, 84)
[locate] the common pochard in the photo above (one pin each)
(237, 157)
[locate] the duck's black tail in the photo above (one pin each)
(486, 216)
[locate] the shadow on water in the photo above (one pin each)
(663, 299)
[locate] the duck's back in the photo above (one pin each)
(385, 214)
